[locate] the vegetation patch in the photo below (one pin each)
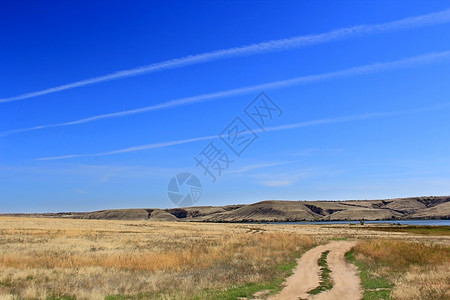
(375, 287)
(248, 290)
(325, 279)
(424, 229)
(244, 291)
(94, 259)
(393, 269)
(232, 292)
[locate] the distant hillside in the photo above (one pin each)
(281, 211)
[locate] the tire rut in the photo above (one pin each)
(306, 277)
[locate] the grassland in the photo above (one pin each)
(393, 269)
(423, 230)
(43, 258)
(49, 258)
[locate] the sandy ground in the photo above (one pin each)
(346, 282)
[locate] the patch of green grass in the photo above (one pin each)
(242, 291)
(61, 298)
(375, 287)
(416, 229)
(325, 280)
(124, 297)
(6, 283)
(116, 297)
(286, 269)
(339, 239)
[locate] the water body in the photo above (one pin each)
(403, 222)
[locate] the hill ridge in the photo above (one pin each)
(432, 207)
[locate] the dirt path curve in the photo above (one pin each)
(346, 282)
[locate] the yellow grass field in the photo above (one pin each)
(44, 258)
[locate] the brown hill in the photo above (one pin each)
(161, 215)
(115, 214)
(282, 211)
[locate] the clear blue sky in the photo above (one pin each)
(352, 153)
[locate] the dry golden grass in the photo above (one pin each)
(400, 254)
(432, 282)
(419, 270)
(90, 259)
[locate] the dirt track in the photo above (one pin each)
(346, 282)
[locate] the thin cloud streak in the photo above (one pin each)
(248, 168)
(134, 149)
(268, 129)
(366, 69)
(440, 17)
(355, 118)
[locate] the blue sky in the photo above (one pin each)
(363, 86)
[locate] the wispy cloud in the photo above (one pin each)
(135, 148)
(103, 172)
(280, 182)
(365, 69)
(296, 42)
(268, 129)
(276, 179)
(252, 167)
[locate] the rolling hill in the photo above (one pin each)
(281, 211)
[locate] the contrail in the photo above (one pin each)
(371, 68)
(296, 42)
(135, 148)
(258, 130)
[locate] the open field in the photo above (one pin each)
(423, 230)
(47, 258)
(402, 269)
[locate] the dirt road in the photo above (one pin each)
(346, 282)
